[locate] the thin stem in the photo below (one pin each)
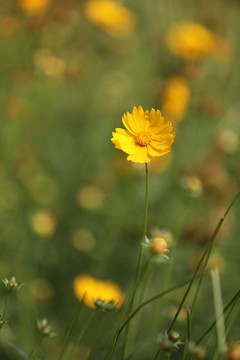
(188, 336)
(82, 332)
(36, 347)
(231, 303)
(206, 253)
(156, 297)
(2, 317)
(131, 297)
(97, 333)
(70, 328)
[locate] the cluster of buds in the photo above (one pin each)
(110, 306)
(169, 341)
(45, 328)
(12, 284)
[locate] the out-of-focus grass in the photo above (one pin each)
(69, 202)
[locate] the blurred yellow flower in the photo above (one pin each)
(34, 7)
(147, 135)
(44, 223)
(91, 290)
(191, 40)
(176, 97)
(113, 17)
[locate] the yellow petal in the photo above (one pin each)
(124, 140)
(140, 156)
(137, 121)
(159, 151)
(156, 119)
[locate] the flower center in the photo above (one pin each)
(143, 138)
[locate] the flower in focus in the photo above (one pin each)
(192, 41)
(147, 135)
(113, 17)
(34, 7)
(105, 295)
(176, 98)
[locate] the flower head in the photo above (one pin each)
(113, 17)
(176, 98)
(104, 295)
(34, 7)
(191, 40)
(147, 135)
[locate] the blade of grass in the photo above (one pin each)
(217, 297)
(73, 322)
(230, 305)
(207, 253)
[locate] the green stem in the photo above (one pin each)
(206, 254)
(2, 317)
(131, 297)
(70, 328)
(188, 337)
(36, 347)
(82, 332)
(230, 305)
(96, 334)
(156, 297)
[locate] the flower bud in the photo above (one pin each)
(45, 328)
(159, 245)
(174, 336)
(12, 284)
(166, 344)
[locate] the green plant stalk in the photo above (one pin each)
(2, 317)
(217, 297)
(207, 254)
(69, 330)
(93, 342)
(188, 337)
(156, 297)
(130, 300)
(36, 347)
(230, 305)
(82, 332)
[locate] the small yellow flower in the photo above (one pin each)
(147, 135)
(190, 40)
(113, 17)
(34, 7)
(176, 98)
(159, 245)
(91, 291)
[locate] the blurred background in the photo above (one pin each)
(72, 204)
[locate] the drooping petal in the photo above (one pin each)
(140, 156)
(124, 140)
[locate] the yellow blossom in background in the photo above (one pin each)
(175, 99)
(44, 223)
(113, 17)
(191, 40)
(90, 290)
(34, 7)
(147, 135)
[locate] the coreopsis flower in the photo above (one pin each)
(34, 7)
(191, 40)
(147, 135)
(103, 295)
(176, 97)
(111, 16)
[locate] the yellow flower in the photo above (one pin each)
(34, 7)
(147, 135)
(113, 17)
(192, 41)
(176, 98)
(91, 290)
